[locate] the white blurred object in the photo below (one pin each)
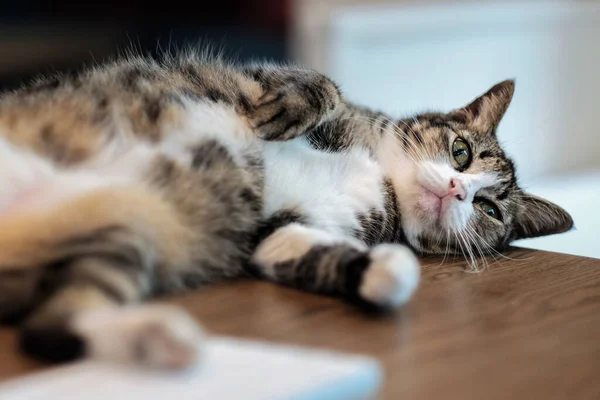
(403, 57)
(231, 369)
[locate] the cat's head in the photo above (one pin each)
(459, 190)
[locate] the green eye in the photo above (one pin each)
(461, 153)
(488, 208)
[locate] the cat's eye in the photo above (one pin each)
(488, 207)
(461, 153)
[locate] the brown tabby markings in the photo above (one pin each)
(382, 226)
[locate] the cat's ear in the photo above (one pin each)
(539, 217)
(485, 112)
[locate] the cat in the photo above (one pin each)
(141, 177)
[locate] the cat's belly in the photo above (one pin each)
(328, 189)
(32, 181)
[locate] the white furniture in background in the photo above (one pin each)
(403, 57)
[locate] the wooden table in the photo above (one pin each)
(525, 328)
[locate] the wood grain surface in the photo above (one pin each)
(525, 328)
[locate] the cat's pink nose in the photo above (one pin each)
(457, 189)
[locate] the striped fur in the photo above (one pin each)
(143, 177)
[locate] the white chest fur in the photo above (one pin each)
(330, 189)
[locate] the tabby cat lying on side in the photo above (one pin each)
(143, 177)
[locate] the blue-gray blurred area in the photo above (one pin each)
(39, 37)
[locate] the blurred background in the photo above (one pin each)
(400, 56)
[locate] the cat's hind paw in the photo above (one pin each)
(155, 336)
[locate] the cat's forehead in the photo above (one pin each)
(488, 155)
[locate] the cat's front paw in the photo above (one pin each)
(392, 276)
(291, 110)
(281, 115)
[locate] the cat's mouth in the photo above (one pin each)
(433, 204)
(429, 201)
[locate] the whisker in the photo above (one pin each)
(414, 151)
(477, 246)
(474, 265)
(414, 134)
(447, 247)
(484, 246)
(460, 244)
(497, 252)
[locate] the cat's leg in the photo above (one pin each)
(81, 270)
(311, 259)
(75, 246)
(296, 102)
(90, 317)
(293, 101)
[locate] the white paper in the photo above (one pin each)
(231, 369)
